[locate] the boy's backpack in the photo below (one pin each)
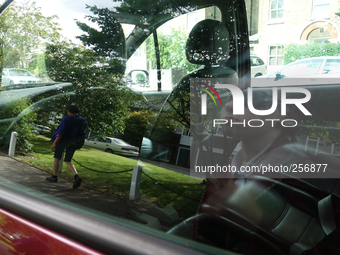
(77, 136)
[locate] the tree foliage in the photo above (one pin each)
(107, 42)
(26, 28)
(103, 98)
(22, 125)
(135, 125)
(172, 50)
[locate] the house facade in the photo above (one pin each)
(276, 23)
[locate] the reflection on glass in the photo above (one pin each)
(128, 65)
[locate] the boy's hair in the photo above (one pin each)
(73, 109)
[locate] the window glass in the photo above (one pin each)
(275, 55)
(171, 41)
(118, 61)
(332, 66)
(256, 61)
(172, 98)
(303, 68)
(299, 42)
(320, 8)
(276, 9)
(120, 142)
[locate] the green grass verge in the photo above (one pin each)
(119, 184)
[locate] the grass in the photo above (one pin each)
(118, 184)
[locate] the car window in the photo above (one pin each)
(216, 153)
(18, 72)
(303, 68)
(119, 62)
(332, 66)
(120, 142)
(164, 56)
(256, 61)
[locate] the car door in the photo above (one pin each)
(107, 145)
(91, 141)
(99, 143)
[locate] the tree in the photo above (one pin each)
(23, 28)
(109, 41)
(135, 125)
(171, 49)
(24, 31)
(102, 96)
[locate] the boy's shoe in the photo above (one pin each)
(52, 179)
(77, 182)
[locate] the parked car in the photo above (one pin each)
(18, 76)
(112, 145)
(41, 129)
(321, 67)
(257, 66)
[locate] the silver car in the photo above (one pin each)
(258, 67)
(318, 67)
(113, 145)
(17, 76)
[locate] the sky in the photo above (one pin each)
(68, 10)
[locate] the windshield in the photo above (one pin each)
(19, 73)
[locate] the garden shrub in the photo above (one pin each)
(293, 52)
(14, 118)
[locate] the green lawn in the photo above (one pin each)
(119, 184)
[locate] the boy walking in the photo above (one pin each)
(69, 136)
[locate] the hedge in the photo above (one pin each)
(293, 52)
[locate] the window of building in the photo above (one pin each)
(275, 55)
(321, 9)
(276, 9)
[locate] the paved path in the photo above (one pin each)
(20, 175)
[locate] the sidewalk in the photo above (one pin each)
(20, 175)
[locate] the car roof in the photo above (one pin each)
(324, 57)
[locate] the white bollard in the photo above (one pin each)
(135, 182)
(12, 143)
